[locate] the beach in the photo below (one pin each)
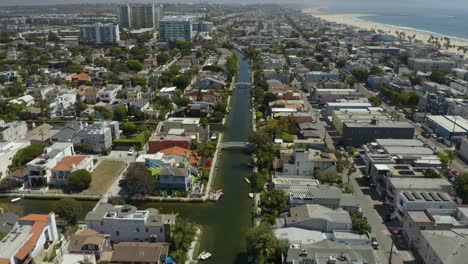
(356, 21)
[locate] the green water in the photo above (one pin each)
(225, 222)
(32, 206)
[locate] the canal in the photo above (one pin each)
(225, 222)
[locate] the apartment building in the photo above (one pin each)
(14, 130)
(99, 33)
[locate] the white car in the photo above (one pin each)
(131, 151)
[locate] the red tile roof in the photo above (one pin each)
(40, 221)
(179, 151)
(66, 164)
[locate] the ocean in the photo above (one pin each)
(451, 25)
(449, 19)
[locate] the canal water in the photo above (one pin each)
(225, 222)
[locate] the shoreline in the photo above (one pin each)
(358, 21)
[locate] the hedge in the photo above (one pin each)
(138, 141)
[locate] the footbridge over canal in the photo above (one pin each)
(238, 145)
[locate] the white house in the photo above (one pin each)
(68, 165)
(167, 92)
(13, 130)
(124, 223)
(26, 100)
(7, 151)
(39, 169)
(29, 237)
(305, 162)
(109, 93)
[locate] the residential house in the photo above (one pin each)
(98, 136)
(316, 217)
(159, 142)
(7, 152)
(68, 165)
(174, 179)
(208, 96)
(210, 80)
(29, 237)
(190, 126)
(140, 253)
(91, 95)
(167, 92)
(306, 162)
(89, 242)
(109, 93)
(25, 100)
(181, 155)
(328, 196)
(13, 130)
(39, 169)
(124, 223)
(80, 78)
(7, 222)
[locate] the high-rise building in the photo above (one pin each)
(176, 27)
(99, 33)
(139, 15)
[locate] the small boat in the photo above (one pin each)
(247, 180)
(204, 255)
(220, 191)
(251, 195)
(15, 199)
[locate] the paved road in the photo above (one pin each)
(369, 208)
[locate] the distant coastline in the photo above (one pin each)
(359, 21)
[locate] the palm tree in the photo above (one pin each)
(451, 154)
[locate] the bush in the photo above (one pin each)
(26, 154)
(139, 141)
(79, 180)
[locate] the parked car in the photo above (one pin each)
(374, 243)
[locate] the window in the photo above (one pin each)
(161, 230)
(146, 230)
(102, 222)
(117, 233)
(138, 229)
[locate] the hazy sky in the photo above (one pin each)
(344, 4)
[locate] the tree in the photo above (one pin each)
(74, 68)
(359, 224)
(375, 100)
(264, 245)
(120, 113)
(25, 155)
(430, 173)
(444, 159)
(134, 65)
(273, 204)
(183, 233)
(360, 74)
(438, 77)
(182, 81)
(451, 155)
(461, 186)
(376, 70)
(69, 209)
(79, 180)
(129, 128)
(138, 179)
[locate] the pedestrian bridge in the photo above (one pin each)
(237, 145)
(243, 84)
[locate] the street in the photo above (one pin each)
(371, 208)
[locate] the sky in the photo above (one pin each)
(344, 5)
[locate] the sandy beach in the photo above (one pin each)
(354, 20)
